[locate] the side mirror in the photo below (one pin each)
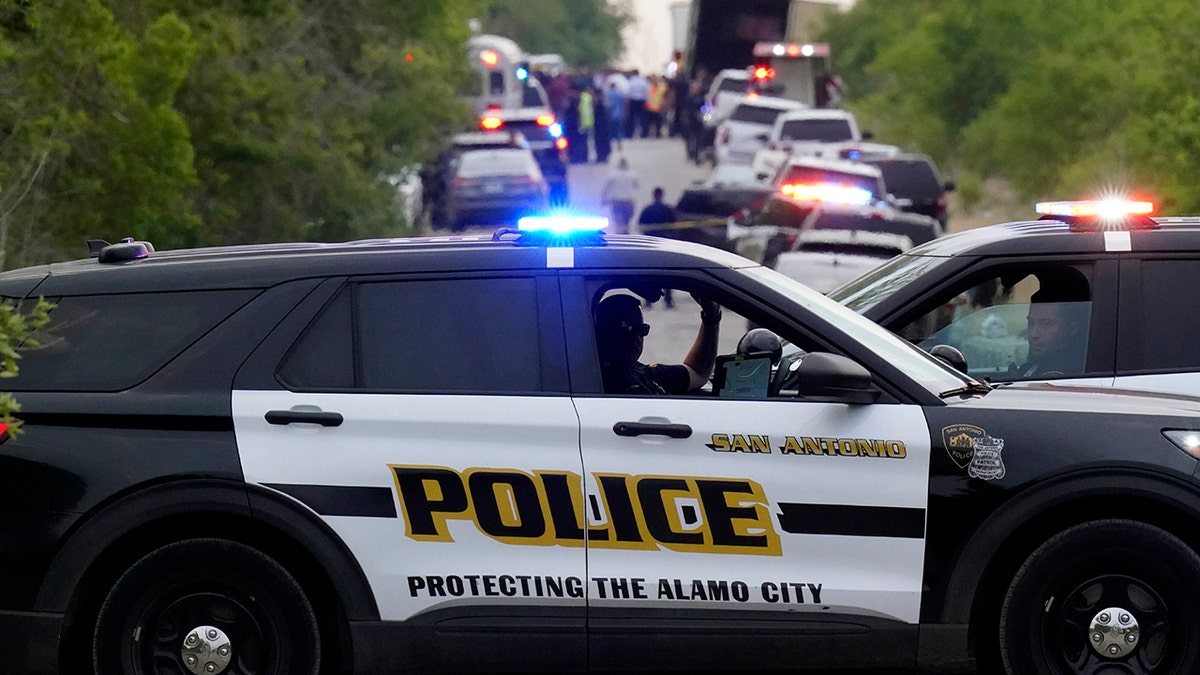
(762, 138)
(834, 379)
(949, 186)
(868, 135)
(950, 356)
(762, 176)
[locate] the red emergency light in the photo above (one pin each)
(489, 57)
(764, 72)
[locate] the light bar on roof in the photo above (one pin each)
(825, 192)
(1108, 209)
(561, 224)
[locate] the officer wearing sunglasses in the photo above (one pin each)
(620, 336)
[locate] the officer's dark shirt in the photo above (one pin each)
(657, 213)
(638, 378)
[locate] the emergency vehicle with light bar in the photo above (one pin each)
(399, 456)
(1118, 267)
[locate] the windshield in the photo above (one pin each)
(756, 114)
(921, 367)
(825, 131)
(875, 286)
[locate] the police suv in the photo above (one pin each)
(399, 456)
(1124, 275)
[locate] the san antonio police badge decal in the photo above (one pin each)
(986, 462)
(959, 441)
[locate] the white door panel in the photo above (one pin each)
(480, 476)
(791, 503)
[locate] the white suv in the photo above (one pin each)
(744, 133)
(728, 88)
(820, 132)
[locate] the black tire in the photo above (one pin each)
(158, 602)
(1056, 604)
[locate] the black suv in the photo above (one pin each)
(1122, 282)
(916, 184)
(407, 456)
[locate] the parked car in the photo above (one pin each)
(914, 181)
(403, 456)
(436, 176)
(495, 185)
(826, 257)
(740, 136)
(816, 132)
(782, 233)
(1122, 283)
(728, 88)
(546, 140)
(704, 207)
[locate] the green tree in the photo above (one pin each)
(1060, 98)
(191, 122)
(585, 32)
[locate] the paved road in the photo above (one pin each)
(657, 162)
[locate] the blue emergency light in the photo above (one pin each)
(557, 230)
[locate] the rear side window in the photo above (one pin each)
(823, 131)
(910, 178)
(755, 114)
(1167, 341)
(113, 342)
(428, 336)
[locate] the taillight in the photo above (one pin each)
(491, 123)
(560, 143)
(545, 120)
(4, 431)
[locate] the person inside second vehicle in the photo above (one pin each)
(1056, 334)
(620, 338)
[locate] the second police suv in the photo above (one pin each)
(400, 456)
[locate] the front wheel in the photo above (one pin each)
(1110, 596)
(209, 607)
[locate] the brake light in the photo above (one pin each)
(545, 120)
(764, 73)
(491, 123)
(4, 428)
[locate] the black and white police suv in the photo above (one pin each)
(1118, 276)
(399, 456)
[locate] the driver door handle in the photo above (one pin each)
(652, 429)
(325, 419)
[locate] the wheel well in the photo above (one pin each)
(1035, 530)
(125, 551)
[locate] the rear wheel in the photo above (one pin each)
(208, 607)
(1107, 597)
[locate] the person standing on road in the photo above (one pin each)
(619, 192)
(616, 112)
(602, 131)
(656, 104)
(635, 119)
(658, 213)
(587, 121)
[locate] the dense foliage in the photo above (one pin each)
(1059, 98)
(585, 32)
(191, 122)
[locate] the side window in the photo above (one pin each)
(436, 336)
(673, 342)
(113, 342)
(1166, 342)
(1017, 323)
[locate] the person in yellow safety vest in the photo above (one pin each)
(587, 122)
(655, 105)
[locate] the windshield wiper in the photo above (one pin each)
(972, 389)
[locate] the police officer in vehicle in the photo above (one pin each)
(620, 336)
(1056, 333)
